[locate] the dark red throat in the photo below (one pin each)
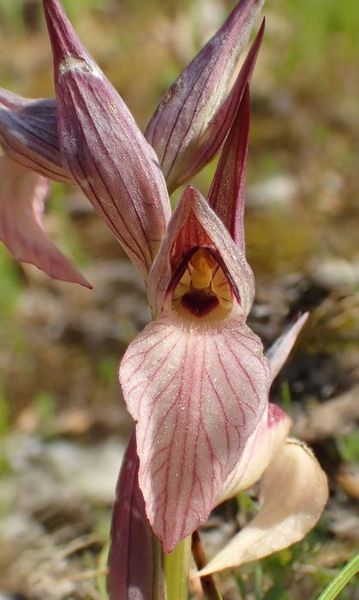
(199, 303)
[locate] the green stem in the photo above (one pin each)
(345, 575)
(177, 565)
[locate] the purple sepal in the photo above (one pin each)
(227, 192)
(105, 151)
(132, 560)
(193, 118)
(28, 134)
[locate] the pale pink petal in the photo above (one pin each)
(22, 198)
(134, 561)
(194, 116)
(227, 193)
(28, 133)
(195, 224)
(197, 393)
(104, 149)
(280, 350)
(270, 433)
(293, 494)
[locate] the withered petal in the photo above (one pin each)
(293, 493)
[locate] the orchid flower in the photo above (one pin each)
(32, 136)
(196, 380)
(292, 492)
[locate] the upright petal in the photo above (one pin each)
(194, 224)
(22, 198)
(104, 148)
(197, 392)
(28, 134)
(195, 114)
(227, 193)
(293, 493)
(135, 569)
(282, 347)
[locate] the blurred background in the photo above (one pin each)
(63, 426)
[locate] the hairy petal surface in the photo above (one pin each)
(28, 134)
(278, 353)
(195, 114)
(104, 149)
(293, 493)
(134, 561)
(195, 224)
(22, 198)
(270, 433)
(227, 192)
(197, 394)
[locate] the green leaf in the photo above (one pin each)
(341, 580)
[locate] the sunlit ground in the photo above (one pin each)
(63, 426)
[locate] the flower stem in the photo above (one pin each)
(208, 585)
(177, 565)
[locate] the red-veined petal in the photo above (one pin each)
(197, 394)
(22, 197)
(104, 149)
(195, 114)
(195, 224)
(293, 493)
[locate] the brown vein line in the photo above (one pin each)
(195, 448)
(248, 348)
(168, 408)
(163, 417)
(138, 402)
(114, 204)
(28, 128)
(145, 353)
(192, 117)
(225, 417)
(151, 333)
(129, 142)
(110, 195)
(165, 527)
(33, 160)
(99, 204)
(247, 377)
(211, 453)
(159, 468)
(229, 383)
(194, 368)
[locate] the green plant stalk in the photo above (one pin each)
(177, 565)
(340, 581)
